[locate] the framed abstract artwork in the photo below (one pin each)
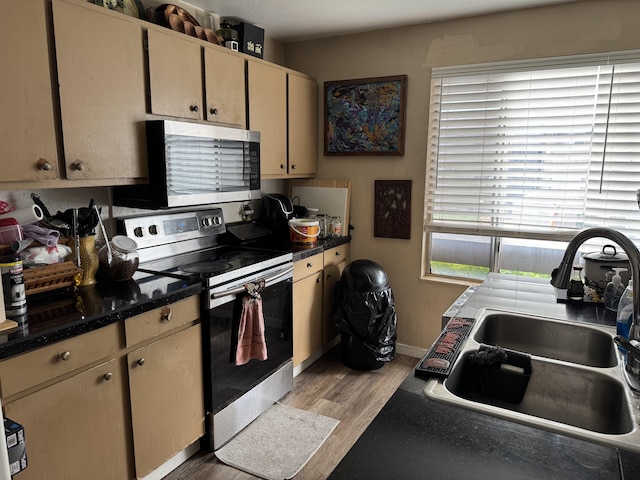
(365, 116)
(392, 209)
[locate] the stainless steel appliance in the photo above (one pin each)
(195, 164)
(191, 245)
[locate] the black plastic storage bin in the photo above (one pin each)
(364, 312)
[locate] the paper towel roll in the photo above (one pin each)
(25, 216)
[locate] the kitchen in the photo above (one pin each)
(546, 31)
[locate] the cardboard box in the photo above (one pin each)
(250, 39)
(16, 446)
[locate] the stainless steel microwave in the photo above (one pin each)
(195, 164)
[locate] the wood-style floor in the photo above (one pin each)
(329, 388)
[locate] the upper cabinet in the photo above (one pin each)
(283, 108)
(101, 73)
(302, 114)
(224, 87)
(267, 91)
(175, 75)
(179, 64)
(27, 126)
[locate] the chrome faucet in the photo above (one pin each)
(560, 279)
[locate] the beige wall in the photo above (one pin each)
(582, 27)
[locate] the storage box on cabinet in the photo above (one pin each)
(46, 363)
(161, 320)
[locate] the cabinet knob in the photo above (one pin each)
(108, 376)
(293, 167)
(165, 315)
(283, 166)
(193, 108)
(43, 165)
(213, 111)
(140, 361)
(309, 264)
(337, 254)
(64, 356)
(318, 280)
(328, 276)
(78, 165)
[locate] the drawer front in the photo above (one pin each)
(32, 368)
(335, 255)
(307, 266)
(160, 320)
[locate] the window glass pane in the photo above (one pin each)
(535, 258)
(466, 256)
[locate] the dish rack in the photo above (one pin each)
(50, 277)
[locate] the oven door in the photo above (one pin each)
(225, 382)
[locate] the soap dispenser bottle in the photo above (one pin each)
(625, 311)
(614, 290)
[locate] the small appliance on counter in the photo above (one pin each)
(276, 211)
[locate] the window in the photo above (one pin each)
(523, 155)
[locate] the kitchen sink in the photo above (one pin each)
(577, 343)
(572, 381)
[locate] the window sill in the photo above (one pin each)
(450, 280)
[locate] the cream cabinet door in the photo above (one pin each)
(267, 87)
(225, 87)
(167, 397)
(75, 429)
(303, 126)
(175, 75)
(307, 317)
(100, 57)
(27, 128)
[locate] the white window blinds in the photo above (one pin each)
(535, 149)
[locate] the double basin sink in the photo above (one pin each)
(573, 385)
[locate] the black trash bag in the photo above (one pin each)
(369, 317)
(364, 311)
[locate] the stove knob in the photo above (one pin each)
(207, 222)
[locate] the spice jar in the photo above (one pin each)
(335, 227)
(123, 260)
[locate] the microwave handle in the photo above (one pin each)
(240, 288)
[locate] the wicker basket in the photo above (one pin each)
(50, 277)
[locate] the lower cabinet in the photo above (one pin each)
(75, 429)
(111, 404)
(307, 308)
(167, 409)
(314, 283)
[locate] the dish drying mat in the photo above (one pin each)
(440, 358)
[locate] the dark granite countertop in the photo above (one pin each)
(414, 437)
(65, 313)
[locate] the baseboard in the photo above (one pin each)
(410, 350)
(174, 462)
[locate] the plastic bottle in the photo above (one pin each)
(625, 312)
(613, 291)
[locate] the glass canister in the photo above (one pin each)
(123, 260)
(323, 222)
(335, 227)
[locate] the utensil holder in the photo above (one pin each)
(89, 261)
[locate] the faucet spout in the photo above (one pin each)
(560, 278)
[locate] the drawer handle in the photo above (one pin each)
(318, 280)
(193, 108)
(309, 265)
(78, 166)
(64, 356)
(213, 111)
(337, 254)
(140, 362)
(108, 376)
(165, 315)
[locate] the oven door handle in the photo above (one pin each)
(268, 281)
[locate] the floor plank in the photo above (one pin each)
(329, 388)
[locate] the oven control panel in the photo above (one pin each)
(160, 229)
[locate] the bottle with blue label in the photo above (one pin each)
(625, 312)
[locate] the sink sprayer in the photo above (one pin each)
(560, 278)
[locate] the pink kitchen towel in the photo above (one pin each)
(251, 341)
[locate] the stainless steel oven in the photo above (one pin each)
(189, 245)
